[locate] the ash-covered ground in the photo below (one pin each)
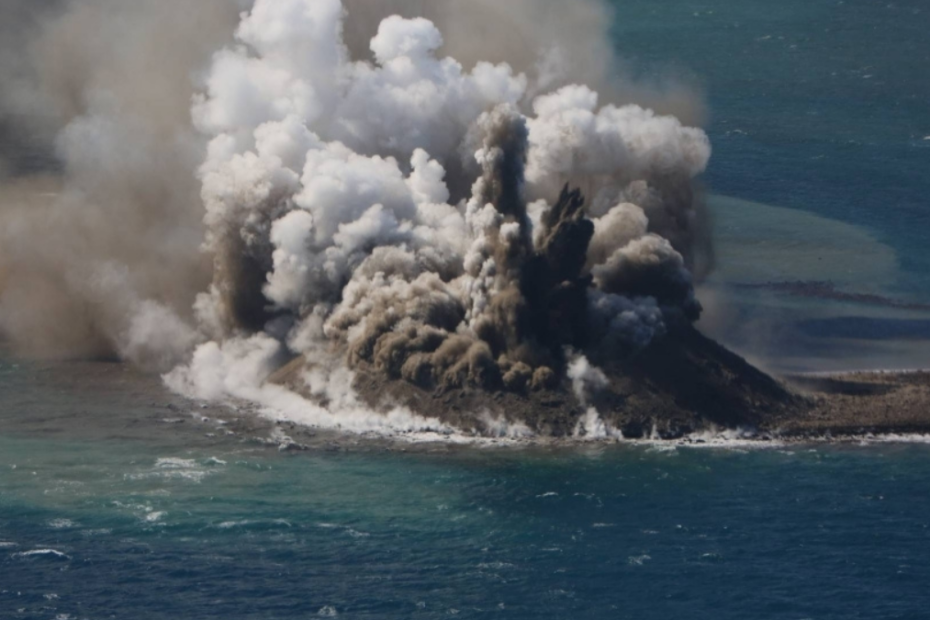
(682, 385)
(686, 386)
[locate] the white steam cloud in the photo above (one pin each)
(397, 210)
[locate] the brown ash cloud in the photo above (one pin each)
(361, 185)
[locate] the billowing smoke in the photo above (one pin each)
(441, 202)
(100, 247)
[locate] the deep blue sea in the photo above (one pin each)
(119, 500)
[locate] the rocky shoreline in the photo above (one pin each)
(684, 387)
(856, 408)
(862, 403)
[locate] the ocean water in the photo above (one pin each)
(146, 509)
(816, 105)
(819, 114)
(120, 500)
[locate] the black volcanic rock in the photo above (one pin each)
(682, 384)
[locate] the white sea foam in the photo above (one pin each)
(458, 438)
(227, 525)
(657, 445)
(173, 468)
(175, 463)
(495, 565)
(144, 512)
(895, 438)
(348, 530)
(728, 439)
(52, 553)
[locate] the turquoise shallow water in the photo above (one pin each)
(118, 501)
(110, 529)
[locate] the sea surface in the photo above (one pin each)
(134, 506)
(120, 500)
(819, 115)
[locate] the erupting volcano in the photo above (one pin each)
(419, 227)
(366, 216)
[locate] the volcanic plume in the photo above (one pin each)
(420, 220)
(385, 212)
